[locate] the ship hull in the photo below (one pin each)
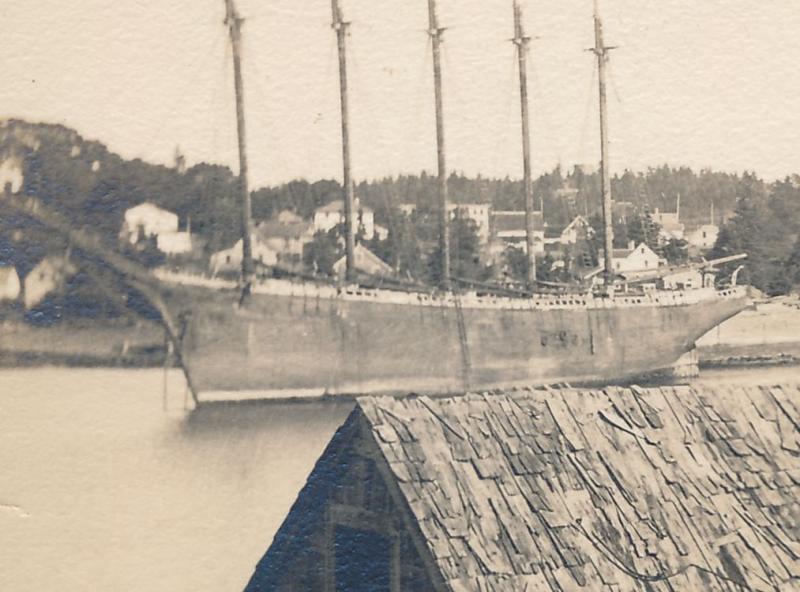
(292, 340)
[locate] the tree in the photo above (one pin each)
(323, 251)
(465, 260)
(676, 251)
(792, 266)
(516, 264)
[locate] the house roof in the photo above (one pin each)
(150, 208)
(364, 259)
(576, 221)
(337, 205)
(672, 488)
(621, 253)
(514, 221)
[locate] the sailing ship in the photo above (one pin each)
(265, 337)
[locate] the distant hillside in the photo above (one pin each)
(93, 187)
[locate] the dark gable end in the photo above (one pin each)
(345, 515)
(672, 488)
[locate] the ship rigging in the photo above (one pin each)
(265, 337)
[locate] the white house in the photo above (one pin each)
(148, 220)
(509, 229)
(286, 236)
(638, 258)
(703, 237)
(9, 284)
(231, 259)
(49, 275)
(671, 226)
(11, 174)
(578, 228)
(478, 213)
(381, 232)
(331, 215)
(364, 260)
(174, 243)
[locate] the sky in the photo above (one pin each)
(706, 84)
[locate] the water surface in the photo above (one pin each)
(102, 488)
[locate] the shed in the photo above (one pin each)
(656, 489)
(49, 275)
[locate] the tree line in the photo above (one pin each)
(93, 187)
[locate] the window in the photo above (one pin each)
(362, 560)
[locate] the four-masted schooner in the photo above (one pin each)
(264, 337)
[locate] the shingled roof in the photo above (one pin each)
(671, 488)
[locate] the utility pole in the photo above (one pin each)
(601, 51)
(234, 23)
(522, 42)
(340, 26)
(444, 240)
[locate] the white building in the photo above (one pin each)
(174, 243)
(578, 228)
(231, 259)
(509, 229)
(671, 226)
(381, 232)
(687, 279)
(478, 213)
(11, 174)
(147, 220)
(703, 237)
(638, 258)
(365, 261)
(9, 284)
(331, 215)
(48, 276)
(286, 236)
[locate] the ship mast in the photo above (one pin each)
(234, 23)
(522, 42)
(444, 240)
(340, 26)
(601, 51)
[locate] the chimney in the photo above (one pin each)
(678, 208)
(631, 245)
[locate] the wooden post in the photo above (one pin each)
(340, 26)
(444, 239)
(234, 22)
(522, 42)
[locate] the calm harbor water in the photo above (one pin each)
(104, 487)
